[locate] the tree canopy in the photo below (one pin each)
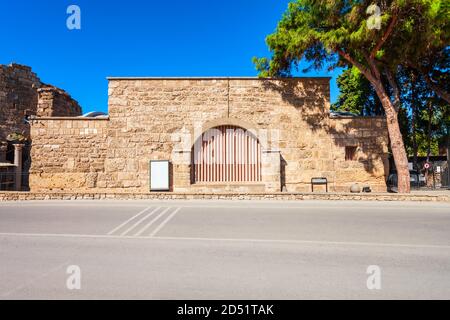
(356, 95)
(375, 39)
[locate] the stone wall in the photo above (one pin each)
(54, 102)
(18, 98)
(309, 143)
(68, 153)
(149, 119)
(52, 195)
(23, 94)
(371, 165)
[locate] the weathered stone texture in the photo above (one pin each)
(149, 118)
(93, 195)
(371, 164)
(18, 98)
(68, 154)
(54, 102)
(23, 94)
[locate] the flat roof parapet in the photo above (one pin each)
(215, 78)
(69, 118)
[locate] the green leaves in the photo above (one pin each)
(356, 94)
(308, 25)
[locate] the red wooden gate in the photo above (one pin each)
(227, 154)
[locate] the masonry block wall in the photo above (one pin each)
(23, 94)
(68, 154)
(370, 165)
(150, 118)
(54, 102)
(18, 98)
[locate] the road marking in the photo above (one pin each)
(140, 220)
(164, 223)
(123, 224)
(308, 242)
(137, 234)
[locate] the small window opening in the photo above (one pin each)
(350, 153)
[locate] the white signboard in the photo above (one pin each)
(159, 175)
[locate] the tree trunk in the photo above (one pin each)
(397, 146)
(396, 140)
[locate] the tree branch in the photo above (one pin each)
(436, 88)
(373, 66)
(393, 83)
(385, 36)
(441, 92)
(365, 71)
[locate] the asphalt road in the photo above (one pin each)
(224, 250)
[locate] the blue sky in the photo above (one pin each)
(137, 38)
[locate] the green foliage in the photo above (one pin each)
(356, 94)
(428, 116)
(16, 137)
(315, 30)
(414, 34)
(424, 29)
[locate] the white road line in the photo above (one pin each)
(137, 234)
(133, 217)
(140, 220)
(164, 223)
(297, 242)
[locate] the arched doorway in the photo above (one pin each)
(226, 154)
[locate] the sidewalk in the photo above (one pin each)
(441, 196)
(441, 192)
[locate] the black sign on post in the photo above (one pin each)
(319, 181)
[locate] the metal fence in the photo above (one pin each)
(7, 180)
(8, 170)
(434, 178)
(440, 175)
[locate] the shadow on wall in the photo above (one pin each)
(283, 164)
(317, 117)
(26, 165)
(170, 176)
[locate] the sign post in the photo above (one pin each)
(319, 181)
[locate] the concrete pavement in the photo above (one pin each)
(224, 249)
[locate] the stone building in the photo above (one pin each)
(23, 95)
(219, 134)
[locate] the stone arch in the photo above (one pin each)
(236, 122)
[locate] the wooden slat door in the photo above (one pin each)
(227, 154)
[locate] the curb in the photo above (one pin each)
(23, 196)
